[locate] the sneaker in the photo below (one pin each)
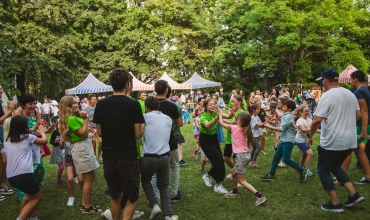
(267, 178)
(207, 180)
(240, 185)
(353, 200)
(230, 176)
(176, 199)
(107, 215)
(71, 201)
(260, 201)
(174, 217)
(264, 152)
(75, 179)
(231, 195)
(2, 198)
(220, 189)
(332, 208)
(5, 190)
(281, 164)
(335, 180)
(309, 173)
(137, 214)
(182, 163)
(303, 175)
(156, 211)
(364, 180)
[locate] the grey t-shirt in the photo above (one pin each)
(90, 114)
(19, 156)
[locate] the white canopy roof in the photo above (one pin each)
(174, 85)
(93, 85)
(198, 82)
(89, 85)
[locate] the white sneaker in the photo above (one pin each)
(264, 152)
(220, 189)
(260, 201)
(231, 195)
(240, 185)
(71, 201)
(75, 179)
(174, 217)
(230, 177)
(107, 215)
(137, 214)
(207, 180)
(281, 164)
(309, 173)
(155, 212)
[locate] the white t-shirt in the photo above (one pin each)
(302, 136)
(54, 108)
(157, 133)
(46, 108)
(183, 99)
(338, 128)
(19, 156)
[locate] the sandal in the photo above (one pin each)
(91, 209)
(82, 207)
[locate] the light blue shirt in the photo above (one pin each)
(157, 133)
(287, 128)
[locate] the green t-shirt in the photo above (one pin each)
(228, 137)
(206, 117)
(177, 132)
(244, 103)
(142, 104)
(74, 123)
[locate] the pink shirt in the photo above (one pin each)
(239, 144)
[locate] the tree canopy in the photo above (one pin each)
(49, 46)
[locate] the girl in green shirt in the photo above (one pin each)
(74, 128)
(208, 141)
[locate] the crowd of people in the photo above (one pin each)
(119, 125)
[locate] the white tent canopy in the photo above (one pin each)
(198, 82)
(140, 86)
(174, 85)
(89, 85)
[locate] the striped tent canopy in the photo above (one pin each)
(140, 86)
(89, 85)
(345, 76)
(174, 85)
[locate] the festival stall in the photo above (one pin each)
(89, 85)
(174, 85)
(345, 76)
(198, 82)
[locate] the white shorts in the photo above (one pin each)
(83, 157)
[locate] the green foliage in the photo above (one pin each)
(52, 45)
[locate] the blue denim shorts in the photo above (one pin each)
(1, 134)
(302, 146)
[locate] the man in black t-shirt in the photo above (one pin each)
(170, 109)
(119, 121)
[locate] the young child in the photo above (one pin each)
(242, 138)
(263, 117)
(4, 189)
(57, 155)
(186, 116)
(71, 172)
(19, 169)
(303, 128)
(285, 147)
(256, 125)
(196, 124)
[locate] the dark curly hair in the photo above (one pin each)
(118, 79)
(160, 87)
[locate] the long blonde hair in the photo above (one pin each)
(65, 110)
(6, 127)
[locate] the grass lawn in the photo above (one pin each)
(287, 198)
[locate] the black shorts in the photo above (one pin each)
(228, 151)
(27, 183)
(181, 139)
(122, 173)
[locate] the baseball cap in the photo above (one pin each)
(329, 74)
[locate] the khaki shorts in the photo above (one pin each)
(241, 162)
(83, 157)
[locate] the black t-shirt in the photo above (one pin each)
(117, 115)
(262, 115)
(170, 109)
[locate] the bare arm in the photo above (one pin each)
(81, 132)
(314, 127)
(139, 132)
(98, 129)
(364, 118)
(43, 140)
(303, 129)
(197, 124)
(222, 123)
(8, 112)
(358, 114)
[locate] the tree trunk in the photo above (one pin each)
(21, 83)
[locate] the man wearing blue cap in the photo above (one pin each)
(337, 113)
